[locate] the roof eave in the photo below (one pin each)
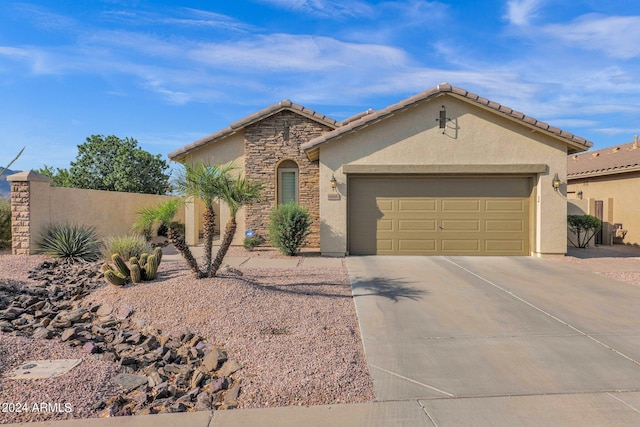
(607, 172)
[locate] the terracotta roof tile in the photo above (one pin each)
(606, 161)
(253, 118)
(369, 119)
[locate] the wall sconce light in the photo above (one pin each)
(579, 194)
(443, 119)
(334, 182)
(556, 182)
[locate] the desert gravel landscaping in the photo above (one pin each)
(295, 332)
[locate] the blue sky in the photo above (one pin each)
(169, 72)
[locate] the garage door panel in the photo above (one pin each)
(505, 205)
(460, 225)
(385, 205)
(460, 205)
(385, 225)
(417, 205)
(460, 245)
(502, 246)
(431, 216)
(416, 245)
(505, 225)
(416, 225)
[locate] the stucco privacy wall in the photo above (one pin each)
(625, 206)
(228, 150)
(35, 204)
(475, 136)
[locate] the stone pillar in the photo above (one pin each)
(29, 209)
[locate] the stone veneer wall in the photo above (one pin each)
(20, 218)
(265, 147)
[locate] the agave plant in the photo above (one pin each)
(70, 242)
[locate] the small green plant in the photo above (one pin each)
(142, 267)
(250, 243)
(289, 226)
(585, 227)
(127, 246)
(5, 223)
(70, 242)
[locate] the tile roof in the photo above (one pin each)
(607, 161)
(251, 119)
(579, 143)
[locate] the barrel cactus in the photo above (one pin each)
(139, 269)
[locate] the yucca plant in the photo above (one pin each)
(132, 245)
(70, 242)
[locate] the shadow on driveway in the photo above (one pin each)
(393, 289)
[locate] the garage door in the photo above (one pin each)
(439, 216)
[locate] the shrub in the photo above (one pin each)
(250, 243)
(132, 245)
(585, 228)
(5, 223)
(70, 242)
(289, 226)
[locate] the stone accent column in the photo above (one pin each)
(24, 186)
(267, 143)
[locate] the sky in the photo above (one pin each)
(169, 72)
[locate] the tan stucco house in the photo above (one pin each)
(607, 181)
(442, 172)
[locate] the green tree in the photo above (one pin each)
(585, 228)
(60, 177)
(115, 164)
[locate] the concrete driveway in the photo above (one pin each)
(500, 341)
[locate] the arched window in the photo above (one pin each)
(287, 182)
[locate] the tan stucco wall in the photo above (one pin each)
(230, 149)
(112, 213)
(625, 206)
(475, 136)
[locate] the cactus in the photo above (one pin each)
(136, 273)
(139, 269)
(151, 268)
(114, 278)
(120, 265)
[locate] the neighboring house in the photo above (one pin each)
(442, 172)
(610, 178)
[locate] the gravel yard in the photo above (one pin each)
(294, 330)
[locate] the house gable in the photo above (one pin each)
(436, 95)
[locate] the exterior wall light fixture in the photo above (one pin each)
(443, 119)
(556, 182)
(334, 182)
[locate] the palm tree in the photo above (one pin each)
(204, 182)
(163, 214)
(236, 192)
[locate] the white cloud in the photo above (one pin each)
(614, 36)
(325, 8)
(298, 53)
(520, 12)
